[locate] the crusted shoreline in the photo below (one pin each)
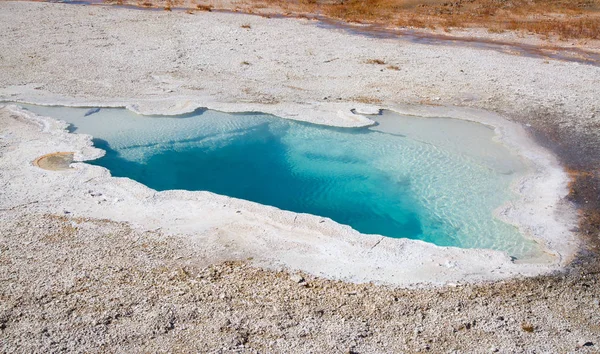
(326, 245)
(91, 60)
(541, 213)
(544, 213)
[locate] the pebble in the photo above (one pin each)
(584, 343)
(297, 278)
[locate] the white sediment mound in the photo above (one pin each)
(231, 228)
(171, 63)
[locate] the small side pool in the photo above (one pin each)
(433, 179)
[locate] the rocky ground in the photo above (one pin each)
(80, 285)
(86, 285)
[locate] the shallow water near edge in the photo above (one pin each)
(433, 179)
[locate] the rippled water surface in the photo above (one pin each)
(432, 179)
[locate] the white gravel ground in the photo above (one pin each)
(161, 62)
(147, 278)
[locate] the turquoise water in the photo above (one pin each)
(437, 180)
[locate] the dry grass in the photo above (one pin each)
(527, 327)
(570, 28)
(366, 99)
(564, 19)
(375, 61)
(202, 7)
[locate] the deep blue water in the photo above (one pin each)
(438, 180)
(255, 166)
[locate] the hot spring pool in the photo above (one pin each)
(433, 179)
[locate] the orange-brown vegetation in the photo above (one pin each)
(202, 7)
(375, 61)
(562, 18)
(366, 99)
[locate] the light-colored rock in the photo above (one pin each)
(297, 278)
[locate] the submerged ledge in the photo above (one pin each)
(335, 114)
(233, 228)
